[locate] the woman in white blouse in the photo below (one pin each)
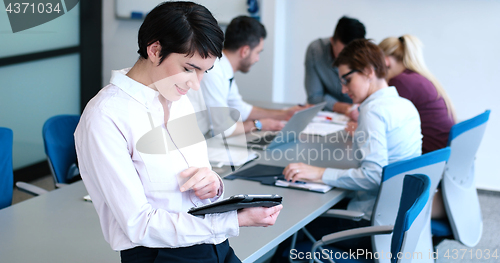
(141, 156)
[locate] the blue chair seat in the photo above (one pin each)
(60, 147)
(441, 227)
(412, 216)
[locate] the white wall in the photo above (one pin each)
(461, 49)
(119, 41)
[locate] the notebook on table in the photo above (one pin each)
(273, 175)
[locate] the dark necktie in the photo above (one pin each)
(230, 82)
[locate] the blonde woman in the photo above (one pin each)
(408, 73)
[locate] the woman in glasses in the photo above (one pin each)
(388, 131)
(406, 70)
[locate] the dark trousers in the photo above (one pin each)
(221, 253)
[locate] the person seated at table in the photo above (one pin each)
(141, 184)
(321, 81)
(388, 131)
(244, 41)
(409, 74)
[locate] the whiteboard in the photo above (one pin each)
(223, 10)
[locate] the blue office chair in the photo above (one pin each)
(6, 174)
(60, 147)
(386, 207)
(460, 198)
(412, 216)
(432, 164)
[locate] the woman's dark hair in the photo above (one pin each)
(242, 31)
(361, 54)
(181, 27)
(348, 29)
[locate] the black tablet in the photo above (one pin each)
(236, 202)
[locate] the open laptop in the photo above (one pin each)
(289, 133)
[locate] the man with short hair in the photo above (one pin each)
(244, 40)
(322, 78)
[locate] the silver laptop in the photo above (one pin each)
(289, 133)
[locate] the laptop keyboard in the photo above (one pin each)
(265, 140)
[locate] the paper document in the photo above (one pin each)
(219, 155)
(330, 117)
(322, 129)
(315, 187)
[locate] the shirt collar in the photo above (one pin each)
(227, 69)
(136, 90)
(385, 92)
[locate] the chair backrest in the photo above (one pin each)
(60, 144)
(386, 207)
(413, 212)
(6, 174)
(459, 187)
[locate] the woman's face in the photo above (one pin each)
(178, 73)
(391, 63)
(355, 83)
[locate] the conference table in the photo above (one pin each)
(61, 227)
(299, 207)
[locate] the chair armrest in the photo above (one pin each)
(30, 189)
(355, 233)
(348, 234)
(344, 214)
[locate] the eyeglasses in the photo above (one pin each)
(343, 79)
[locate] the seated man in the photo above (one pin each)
(244, 40)
(322, 78)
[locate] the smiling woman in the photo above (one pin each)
(141, 182)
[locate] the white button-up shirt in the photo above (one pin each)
(219, 91)
(388, 131)
(136, 191)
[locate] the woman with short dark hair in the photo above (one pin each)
(143, 170)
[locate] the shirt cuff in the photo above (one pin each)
(220, 191)
(231, 130)
(330, 105)
(224, 225)
(330, 176)
(245, 111)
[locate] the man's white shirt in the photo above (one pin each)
(217, 90)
